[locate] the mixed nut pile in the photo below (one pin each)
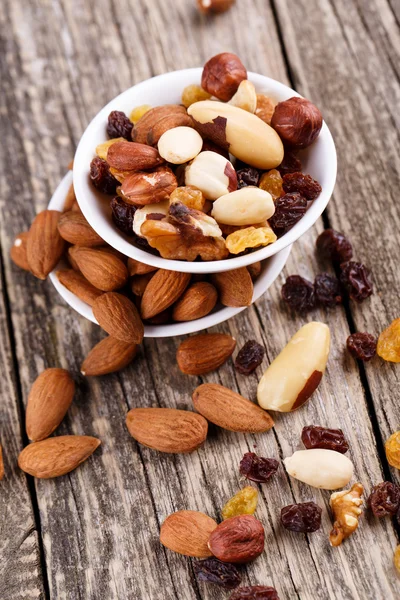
(213, 177)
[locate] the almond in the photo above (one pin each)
(70, 199)
(75, 229)
(238, 539)
(230, 410)
(78, 285)
(18, 251)
(108, 356)
(254, 270)
(167, 429)
(140, 282)
(148, 188)
(203, 353)
(141, 131)
(235, 287)
(56, 456)
(197, 301)
(162, 291)
(162, 318)
(103, 269)
(1, 463)
(118, 316)
(130, 156)
(136, 267)
(187, 532)
(44, 244)
(48, 401)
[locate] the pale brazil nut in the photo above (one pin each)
(141, 214)
(246, 206)
(325, 469)
(179, 145)
(247, 137)
(297, 371)
(211, 173)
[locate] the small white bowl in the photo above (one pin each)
(269, 272)
(319, 161)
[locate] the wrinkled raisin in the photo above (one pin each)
(123, 214)
(255, 592)
(308, 187)
(212, 570)
(119, 125)
(389, 342)
(327, 290)
(356, 278)
(244, 502)
(257, 468)
(335, 246)
(290, 164)
(313, 436)
(249, 357)
(288, 210)
(298, 293)
(101, 177)
(247, 176)
(384, 499)
(361, 345)
(302, 518)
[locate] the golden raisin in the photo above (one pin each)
(138, 112)
(188, 195)
(392, 448)
(271, 182)
(102, 149)
(120, 175)
(396, 558)
(242, 503)
(388, 346)
(251, 237)
(265, 108)
(194, 93)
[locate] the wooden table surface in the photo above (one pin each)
(93, 534)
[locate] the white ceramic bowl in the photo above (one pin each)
(271, 268)
(319, 161)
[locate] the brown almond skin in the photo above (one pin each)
(205, 352)
(56, 456)
(230, 410)
(140, 282)
(162, 291)
(197, 301)
(18, 253)
(44, 246)
(131, 156)
(75, 282)
(238, 539)
(48, 401)
(135, 267)
(1, 463)
(119, 317)
(70, 199)
(103, 269)
(235, 288)
(187, 532)
(167, 429)
(151, 118)
(108, 356)
(143, 188)
(75, 229)
(254, 270)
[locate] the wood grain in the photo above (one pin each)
(99, 525)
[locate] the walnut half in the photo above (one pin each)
(346, 510)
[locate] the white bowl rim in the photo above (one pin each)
(114, 238)
(275, 266)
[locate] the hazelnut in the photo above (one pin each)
(222, 75)
(214, 7)
(297, 121)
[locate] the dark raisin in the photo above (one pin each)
(308, 187)
(122, 215)
(298, 293)
(327, 290)
(302, 518)
(249, 357)
(288, 210)
(247, 176)
(321, 437)
(119, 125)
(257, 468)
(290, 164)
(101, 177)
(335, 246)
(356, 278)
(361, 345)
(255, 592)
(212, 570)
(384, 499)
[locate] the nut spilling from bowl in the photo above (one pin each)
(216, 176)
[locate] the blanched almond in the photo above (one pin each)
(320, 468)
(75, 282)
(187, 532)
(197, 301)
(108, 356)
(179, 145)
(246, 206)
(235, 288)
(205, 352)
(162, 291)
(44, 244)
(75, 229)
(101, 267)
(118, 316)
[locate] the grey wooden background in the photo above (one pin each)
(93, 535)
